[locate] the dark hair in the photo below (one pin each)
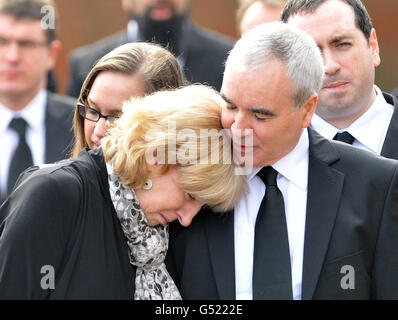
(30, 10)
(362, 18)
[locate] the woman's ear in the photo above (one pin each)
(154, 169)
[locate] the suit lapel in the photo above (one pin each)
(390, 146)
(220, 235)
(324, 191)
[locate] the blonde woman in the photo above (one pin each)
(99, 222)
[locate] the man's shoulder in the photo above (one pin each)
(61, 101)
(349, 159)
(60, 108)
(390, 99)
(211, 38)
(362, 162)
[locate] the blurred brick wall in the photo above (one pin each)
(85, 21)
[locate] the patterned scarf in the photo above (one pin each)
(147, 246)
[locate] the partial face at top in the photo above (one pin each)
(25, 57)
(258, 13)
(349, 60)
(262, 101)
(107, 94)
(158, 10)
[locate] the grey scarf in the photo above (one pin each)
(147, 246)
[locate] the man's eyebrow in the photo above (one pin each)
(339, 38)
(263, 111)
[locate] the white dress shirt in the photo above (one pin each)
(34, 115)
(369, 130)
(292, 180)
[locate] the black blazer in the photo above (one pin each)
(59, 122)
(352, 219)
(390, 146)
(204, 59)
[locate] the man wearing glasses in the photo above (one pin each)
(34, 123)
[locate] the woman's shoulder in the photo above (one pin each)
(64, 170)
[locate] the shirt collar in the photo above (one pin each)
(293, 166)
(132, 31)
(374, 120)
(33, 113)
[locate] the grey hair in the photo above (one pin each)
(285, 43)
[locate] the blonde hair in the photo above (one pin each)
(157, 66)
(144, 127)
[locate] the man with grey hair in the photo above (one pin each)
(314, 224)
(351, 108)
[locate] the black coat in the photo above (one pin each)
(390, 145)
(62, 216)
(351, 219)
(204, 59)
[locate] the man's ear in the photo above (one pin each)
(308, 110)
(53, 50)
(374, 47)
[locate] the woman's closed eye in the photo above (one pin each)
(190, 196)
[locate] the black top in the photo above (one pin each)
(62, 216)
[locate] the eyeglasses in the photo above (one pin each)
(24, 44)
(92, 114)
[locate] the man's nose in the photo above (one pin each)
(330, 62)
(12, 52)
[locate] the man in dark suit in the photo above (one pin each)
(200, 52)
(349, 102)
(35, 123)
(320, 218)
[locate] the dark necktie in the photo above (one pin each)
(344, 137)
(22, 157)
(272, 277)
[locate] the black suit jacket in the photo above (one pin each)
(204, 59)
(59, 122)
(59, 134)
(351, 219)
(390, 146)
